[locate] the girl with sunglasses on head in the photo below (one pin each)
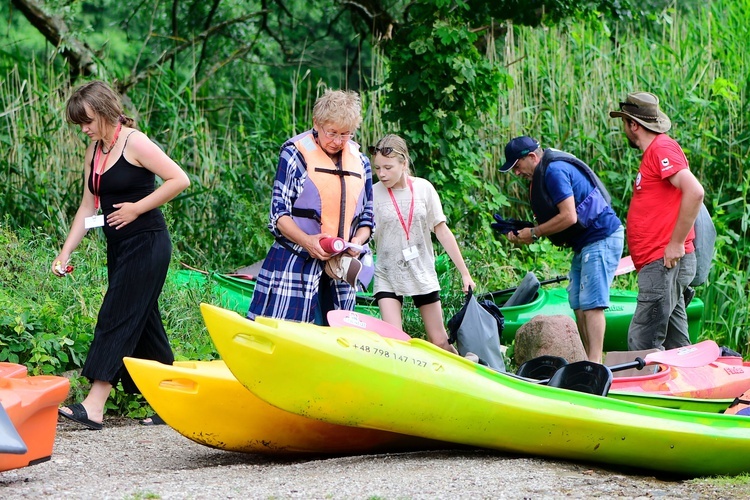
(407, 211)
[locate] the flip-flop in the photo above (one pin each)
(155, 419)
(78, 414)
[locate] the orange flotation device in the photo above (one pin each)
(333, 195)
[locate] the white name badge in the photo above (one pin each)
(93, 221)
(410, 253)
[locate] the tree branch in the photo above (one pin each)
(375, 16)
(126, 84)
(209, 20)
(80, 57)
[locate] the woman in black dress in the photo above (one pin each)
(120, 196)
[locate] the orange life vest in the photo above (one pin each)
(332, 196)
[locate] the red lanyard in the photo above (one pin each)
(98, 172)
(406, 226)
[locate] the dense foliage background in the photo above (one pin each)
(221, 84)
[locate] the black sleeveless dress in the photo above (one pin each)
(138, 255)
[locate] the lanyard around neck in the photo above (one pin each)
(99, 168)
(405, 225)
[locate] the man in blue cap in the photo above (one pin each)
(572, 208)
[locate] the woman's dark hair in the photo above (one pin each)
(101, 99)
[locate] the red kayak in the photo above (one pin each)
(727, 377)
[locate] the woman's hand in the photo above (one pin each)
(60, 265)
(355, 252)
(468, 282)
(311, 243)
(124, 215)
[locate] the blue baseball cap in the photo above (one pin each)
(516, 149)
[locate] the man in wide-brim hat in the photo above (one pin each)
(660, 234)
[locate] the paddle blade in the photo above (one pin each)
(690, 356)
(625, 266)
(342, 317)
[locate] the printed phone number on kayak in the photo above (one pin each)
(385, 353)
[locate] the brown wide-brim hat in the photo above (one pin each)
(643, 107)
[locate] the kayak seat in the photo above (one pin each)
(583, 376)
(541, 368)
(525, 292)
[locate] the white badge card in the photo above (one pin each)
(93, 221)
(410, 253)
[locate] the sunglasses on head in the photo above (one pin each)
(386, 151)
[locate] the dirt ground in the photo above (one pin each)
(130, 461)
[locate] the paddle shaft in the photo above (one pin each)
(621, 269)
(492, 295)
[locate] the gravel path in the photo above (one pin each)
(130, 461)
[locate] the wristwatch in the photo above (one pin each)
(534, 237)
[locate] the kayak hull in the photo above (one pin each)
(673, 402)
(204, 402)
(235, 292)
(31, 404)
(357, 378)
(12, 370)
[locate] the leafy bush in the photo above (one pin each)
(40, 326)
(47, 323)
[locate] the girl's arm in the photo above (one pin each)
(142, 151)
(448, 240)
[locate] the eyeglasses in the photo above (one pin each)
(387, 151)
(340, 137)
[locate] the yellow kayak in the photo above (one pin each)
(353, 377)
(205, 403)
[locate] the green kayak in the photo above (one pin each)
(551, 301)
(235, 293)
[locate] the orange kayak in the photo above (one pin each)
(12, 370)
(727, 377)
(31, 403)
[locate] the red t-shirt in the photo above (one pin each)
(656, 202)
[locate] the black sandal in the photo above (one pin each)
(154, 419)
(79, 415)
